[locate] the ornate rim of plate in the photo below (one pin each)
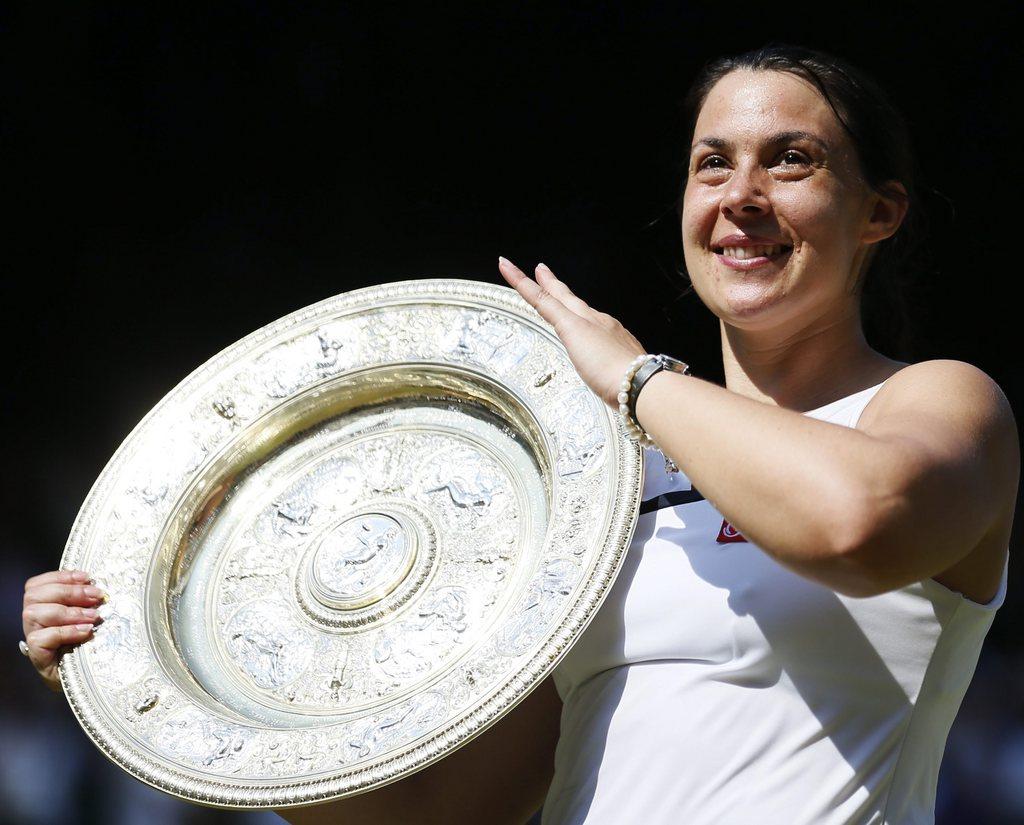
(146, 698)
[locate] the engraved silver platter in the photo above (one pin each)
(347, 545)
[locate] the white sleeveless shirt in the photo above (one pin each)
(715, 686)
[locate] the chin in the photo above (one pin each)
(749, 304)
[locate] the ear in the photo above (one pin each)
(886, 212)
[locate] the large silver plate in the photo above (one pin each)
(347, 545)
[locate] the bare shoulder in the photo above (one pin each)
(956, 394)
(942, 376)
(955, 436)
(955, 418)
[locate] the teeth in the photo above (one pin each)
(745, 252)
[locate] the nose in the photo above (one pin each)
(744, 193)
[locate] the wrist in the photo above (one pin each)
(646, 398)
(640, 371)
(626, 397)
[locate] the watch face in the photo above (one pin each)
(674, 364)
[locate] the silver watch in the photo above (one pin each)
(649, 368)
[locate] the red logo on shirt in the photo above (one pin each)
(728, 533)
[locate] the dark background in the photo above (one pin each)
(176, 179)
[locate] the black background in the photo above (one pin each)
(176, 179)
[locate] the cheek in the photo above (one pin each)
(700, 213)
(815, 217)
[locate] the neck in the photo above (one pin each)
(803, 370)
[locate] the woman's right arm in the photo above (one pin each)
(60, 611)
(499, 778)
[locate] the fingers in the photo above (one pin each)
(61, 576)
(54, 604)
(46, 643)
(59, 612)
(81, 595)
(550, 282)
(51, 639)
(536, 295)
(36, 616)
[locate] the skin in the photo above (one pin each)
(784, 325)
(59, 611)
(861, 510)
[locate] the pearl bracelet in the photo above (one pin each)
(637, 374)
(634, 430)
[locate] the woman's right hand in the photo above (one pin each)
(60, 611)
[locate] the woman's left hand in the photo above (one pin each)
(598, 345)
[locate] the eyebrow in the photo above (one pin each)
(780, 137)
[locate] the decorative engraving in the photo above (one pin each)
(397, 579)
(471, 485)
(268, 644)
(413, 719)
(543, 378)
(225, 408)
(329, 349)
(339, 680)
(416, 644)
(293, 518)
(580, 440)
(254, 561)
(226, 500)
(539, 605)
(147, 702)
(197, 739)
(559, 577)
(470, 488)
(152, 491)
(112, 650)
(361, 560)
(489, 338)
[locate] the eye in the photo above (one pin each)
(799, 158)
(705, 164)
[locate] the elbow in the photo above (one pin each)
(855, 583)
(862, 548)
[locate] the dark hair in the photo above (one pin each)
(884, 150)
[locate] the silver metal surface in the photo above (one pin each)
(347, 545)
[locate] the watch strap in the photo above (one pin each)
(649, 368)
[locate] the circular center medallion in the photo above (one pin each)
(360, 561)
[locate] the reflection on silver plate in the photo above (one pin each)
(346, 545)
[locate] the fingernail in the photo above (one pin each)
(544, 266)
(92, 591)
(80, 576)
(84, 627)
(502, 260)
(90, 612)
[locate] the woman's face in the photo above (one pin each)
(771, 164)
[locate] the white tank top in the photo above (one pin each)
(715, 686)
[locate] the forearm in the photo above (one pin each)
(500, 777)
(798, 488)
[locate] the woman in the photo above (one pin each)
(813, 573)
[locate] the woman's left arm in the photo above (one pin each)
(862, 511)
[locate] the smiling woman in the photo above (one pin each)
(860, 136)
(825, 219)
(818, 561)
(813, 574)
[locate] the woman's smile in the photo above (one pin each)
(747, 258)
(774, 207)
